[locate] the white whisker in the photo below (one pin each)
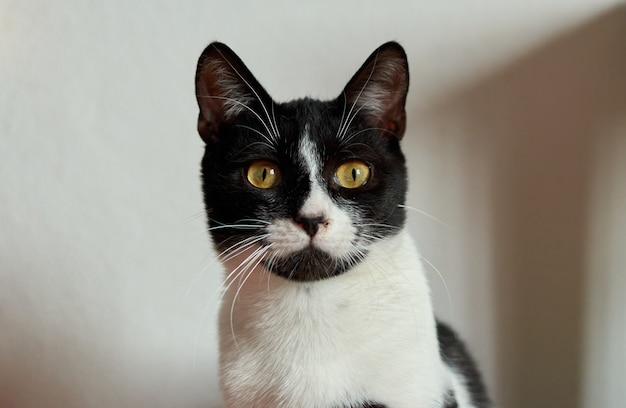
(343, 135)
(257, 259)
(445, 285)
(273, 120)
(197, 275)
(276, 135)
(191, 217)
(236, 272)
(351, 117)
(424, 213)
(343, 112)
(235, 250)
(347, 138)
(263, 135)
(243, 105)
(234, 226)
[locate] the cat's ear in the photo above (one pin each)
(379, 88)
(224, 89)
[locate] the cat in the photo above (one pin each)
(325, 302)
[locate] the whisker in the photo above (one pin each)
(343, 112)
(349, 117)
(424, 213)
(235, 250)
(250, 270)
(263, 135)
(269, 266)
(273, 120)
(227, 254)
(351, 136)
(201, 270)
(379, 225)
(245, 223)
(234, 226)
(352, 118)
(232, 275)
(241, 220)
(252, 89)
(191, 217)
(235, 101)
(240, 249)
(445, 285)
(205, 312)
(236, 274)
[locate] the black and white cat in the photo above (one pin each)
(325, 301)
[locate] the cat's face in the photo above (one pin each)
(302, 188)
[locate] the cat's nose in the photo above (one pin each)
(310, 225)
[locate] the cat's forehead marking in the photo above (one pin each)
(317, 203)
(309, 153)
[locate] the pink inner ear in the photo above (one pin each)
(386, 112)
(379, 89)
(221, 90)
(224, 88)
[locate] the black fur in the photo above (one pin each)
(449, 402)
(456, 356)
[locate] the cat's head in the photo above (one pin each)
(302, 188)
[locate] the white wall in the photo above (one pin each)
(516, 141)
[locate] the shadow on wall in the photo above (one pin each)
(534, 125)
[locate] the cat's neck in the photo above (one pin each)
(390, 277)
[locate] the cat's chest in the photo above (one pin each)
(385, 297)
(308, 346)
(368, 333)
(311, 322)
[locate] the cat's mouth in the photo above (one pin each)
(308, 264)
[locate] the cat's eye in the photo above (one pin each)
(263, 174)
(352, 174)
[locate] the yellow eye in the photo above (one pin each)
(263, 174)
(352, 174)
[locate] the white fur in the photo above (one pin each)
(460, 391)
(367, 334)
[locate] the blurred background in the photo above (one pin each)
(516, 143)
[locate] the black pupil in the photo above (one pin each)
(353, 174)
(264, 173)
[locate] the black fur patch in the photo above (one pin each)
(450, 401)
(367, 405)
(456, 356)
(309, 264)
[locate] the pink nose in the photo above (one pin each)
(310, 225)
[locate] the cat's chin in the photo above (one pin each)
(309, 264)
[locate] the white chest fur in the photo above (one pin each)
(366, 334)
